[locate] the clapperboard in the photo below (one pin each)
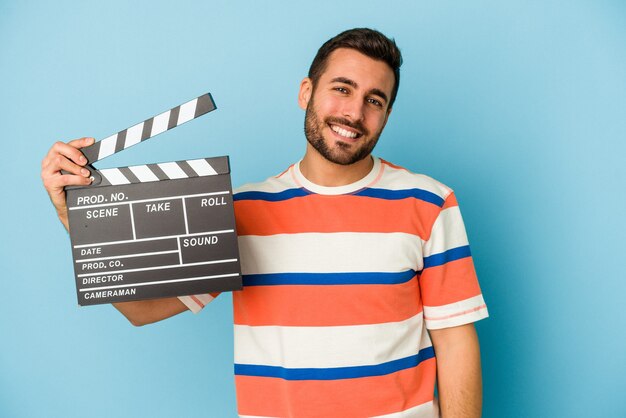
(154, 230)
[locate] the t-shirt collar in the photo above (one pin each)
(366, 181)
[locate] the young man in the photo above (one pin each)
(356, 271)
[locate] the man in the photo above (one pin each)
(356, 271)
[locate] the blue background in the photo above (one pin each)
(520, 106)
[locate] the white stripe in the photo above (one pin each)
(96, 244)
(455, 314)
(425, 410)
(132, 221)
(173, 170)
(336, 346)
(84, 260)
(271, 185)
(180, 253)
(159, 123)
(193, 305)
(114, 176)
(107, 146)
(186, 226)
(448, 232)
(99, 273)
(133, 135)
(202, 167)
(156, 199)
(187, 111)
(156, 282)
(143, 173)
(399, 179)
(332, 252)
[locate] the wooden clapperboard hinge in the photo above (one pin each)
(154, 230)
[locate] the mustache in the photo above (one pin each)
(342, 121)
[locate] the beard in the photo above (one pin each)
(342, 153)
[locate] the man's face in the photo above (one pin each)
(348, 108)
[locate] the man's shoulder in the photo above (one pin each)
(397, 177)
(275, 184)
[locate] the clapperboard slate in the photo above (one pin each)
(154, 230)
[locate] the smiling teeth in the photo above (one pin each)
(344, 132)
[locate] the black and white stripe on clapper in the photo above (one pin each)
(149, 128)
(164, 171)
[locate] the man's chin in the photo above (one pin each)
(340, 152)
(344, 158)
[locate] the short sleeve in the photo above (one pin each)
(195, 303)
(450, 292)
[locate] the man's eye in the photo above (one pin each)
(341, 89)
(375, 102)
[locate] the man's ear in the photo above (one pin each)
(306, 90)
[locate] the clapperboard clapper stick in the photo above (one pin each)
(154, 230)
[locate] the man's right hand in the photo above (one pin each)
(65, 157)
(68, 157)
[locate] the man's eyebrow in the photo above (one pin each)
(352, 83)
(380, 93)
(344, 81)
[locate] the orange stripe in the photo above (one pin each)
(345, 213)
(377, 395)
(450, 202)
(450, 282)
(326, 305)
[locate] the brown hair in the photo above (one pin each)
(369, 42)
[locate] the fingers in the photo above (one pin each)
(81, 142)
(56, 182)
(66, 157)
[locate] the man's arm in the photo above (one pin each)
(459, 380)
(68, 157)
(145, 312)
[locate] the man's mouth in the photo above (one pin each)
(350, 134)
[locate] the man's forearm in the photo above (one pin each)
(459, 377)
(148, 311)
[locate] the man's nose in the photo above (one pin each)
(353, 109)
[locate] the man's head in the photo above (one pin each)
(348, 95)
(368, 42)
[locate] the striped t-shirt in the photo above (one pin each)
(340, 287)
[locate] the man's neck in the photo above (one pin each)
(322, 172)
